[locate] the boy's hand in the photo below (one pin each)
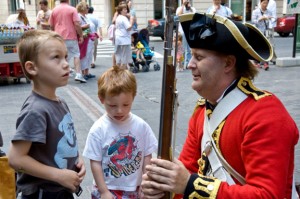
(81, 169)
(107, 195)
(68, 178)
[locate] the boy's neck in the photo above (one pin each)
(47, 93)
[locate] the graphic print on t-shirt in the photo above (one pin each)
(67, 145)
(125, 157)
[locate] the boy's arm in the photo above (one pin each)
(99, 179)
(20, 160)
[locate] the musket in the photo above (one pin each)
(169, 92)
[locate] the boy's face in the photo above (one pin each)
(51, 68)
(118, 107)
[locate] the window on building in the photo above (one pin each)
(14, 5)
(159, 6)
(74, 2)
(158, 9)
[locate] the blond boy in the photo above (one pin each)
(44, 150)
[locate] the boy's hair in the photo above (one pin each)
(115, 81)
(31, 43)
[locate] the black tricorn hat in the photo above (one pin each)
(217, 33)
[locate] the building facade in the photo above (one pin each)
(145, 9)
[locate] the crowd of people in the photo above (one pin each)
(80, 29)
(240, 141)
(263, 17)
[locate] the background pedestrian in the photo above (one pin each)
(123, 37)
(43, 16)
(262, 18)
(96, 29)
(65, 21)
(183, 9)
(132, 14)
(87, 46)
(219, 9)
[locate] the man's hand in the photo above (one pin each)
(163, 175)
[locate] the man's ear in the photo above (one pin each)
(30, 68)
(230, 62)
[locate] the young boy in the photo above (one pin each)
(120, 144)
(44, 150)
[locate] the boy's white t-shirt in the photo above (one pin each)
(121, 147)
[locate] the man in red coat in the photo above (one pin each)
(240, 142)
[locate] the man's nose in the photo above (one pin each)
(191, 63)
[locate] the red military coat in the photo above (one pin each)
(257, 140)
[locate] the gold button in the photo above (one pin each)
(210, 187)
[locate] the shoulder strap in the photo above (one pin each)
(226, 105)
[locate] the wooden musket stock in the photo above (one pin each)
(168, 91)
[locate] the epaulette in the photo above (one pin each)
(200, 102)
(202, 187)
(246, 86)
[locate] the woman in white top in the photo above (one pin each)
(262, 18)
(123, 37)
(87, 47)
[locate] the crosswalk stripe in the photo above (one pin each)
(106, 49)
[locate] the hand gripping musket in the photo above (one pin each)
(169, 93)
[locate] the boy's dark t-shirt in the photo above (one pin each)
(49, 126)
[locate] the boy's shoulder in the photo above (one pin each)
(137, 118)
(39, 102)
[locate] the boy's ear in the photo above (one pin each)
(101, 99)
(30, 68)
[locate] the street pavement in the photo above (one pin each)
(85, 107)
